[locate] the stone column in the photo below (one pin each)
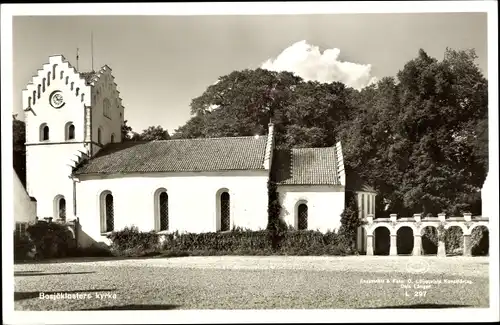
(417, 245)
(467, 246)
(394, 245)
(369, 244)
(441, 249)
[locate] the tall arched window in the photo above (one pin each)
(107, 212)
(43, 84)
(99, 135)
(302, 216)
(39, 91)
(60, 207)
(106, 108)
(161, 209)
(44, 132)
(70, 131)
(48, 78)
(225, 222)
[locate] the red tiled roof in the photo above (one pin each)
(182, 155)
(306, 166)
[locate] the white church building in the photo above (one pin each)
(78, 168)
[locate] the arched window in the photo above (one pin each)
(161, 209)
(72, 85)
(62, 209)
(107, 212)
(112, 138)
(70, 131)
(106, 108)
(225, 222)
(302, 216)
(34, 97)
(43, 84)
(61, 75)
(48, 78)
(99, 135)
(44, 132)
(39, 91)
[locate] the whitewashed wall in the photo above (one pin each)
(325, 205)
(24, 207)
(191, 200)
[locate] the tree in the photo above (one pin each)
(19, 148)
(127, 132)
(154, 133)
(419, 139)
(243, 102)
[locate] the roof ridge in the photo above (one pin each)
(216, 138)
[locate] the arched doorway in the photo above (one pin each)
(404, 240)
(454, 241)
(480, 239)
(429, 240)
(382, 238)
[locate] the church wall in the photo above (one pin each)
(24, 207)
(192, 200)
(48, 175)
(105, 89)
(325, 205)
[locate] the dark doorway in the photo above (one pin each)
(382, 237)
(405, 241)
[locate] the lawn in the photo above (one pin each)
(231, 282)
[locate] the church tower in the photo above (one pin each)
(69, 116)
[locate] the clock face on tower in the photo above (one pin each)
(56, 99)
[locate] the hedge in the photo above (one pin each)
(132, 242)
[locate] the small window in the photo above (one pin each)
(112, 138)
(62, 209)
(71, 132)
(44, 132)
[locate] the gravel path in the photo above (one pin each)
(229, 282)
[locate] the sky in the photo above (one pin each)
(160, 63)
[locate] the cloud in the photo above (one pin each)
(308, 62)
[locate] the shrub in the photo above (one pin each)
(51, 239)
(454, 240)
(349, 224)
(24, 248)
(132, 242)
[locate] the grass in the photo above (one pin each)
(232, 282)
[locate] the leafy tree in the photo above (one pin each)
(243, 102)
(421, 139)
(19, 148)
(154, 133)
(127, 132)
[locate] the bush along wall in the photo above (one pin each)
(132, 242)
(51, 239)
